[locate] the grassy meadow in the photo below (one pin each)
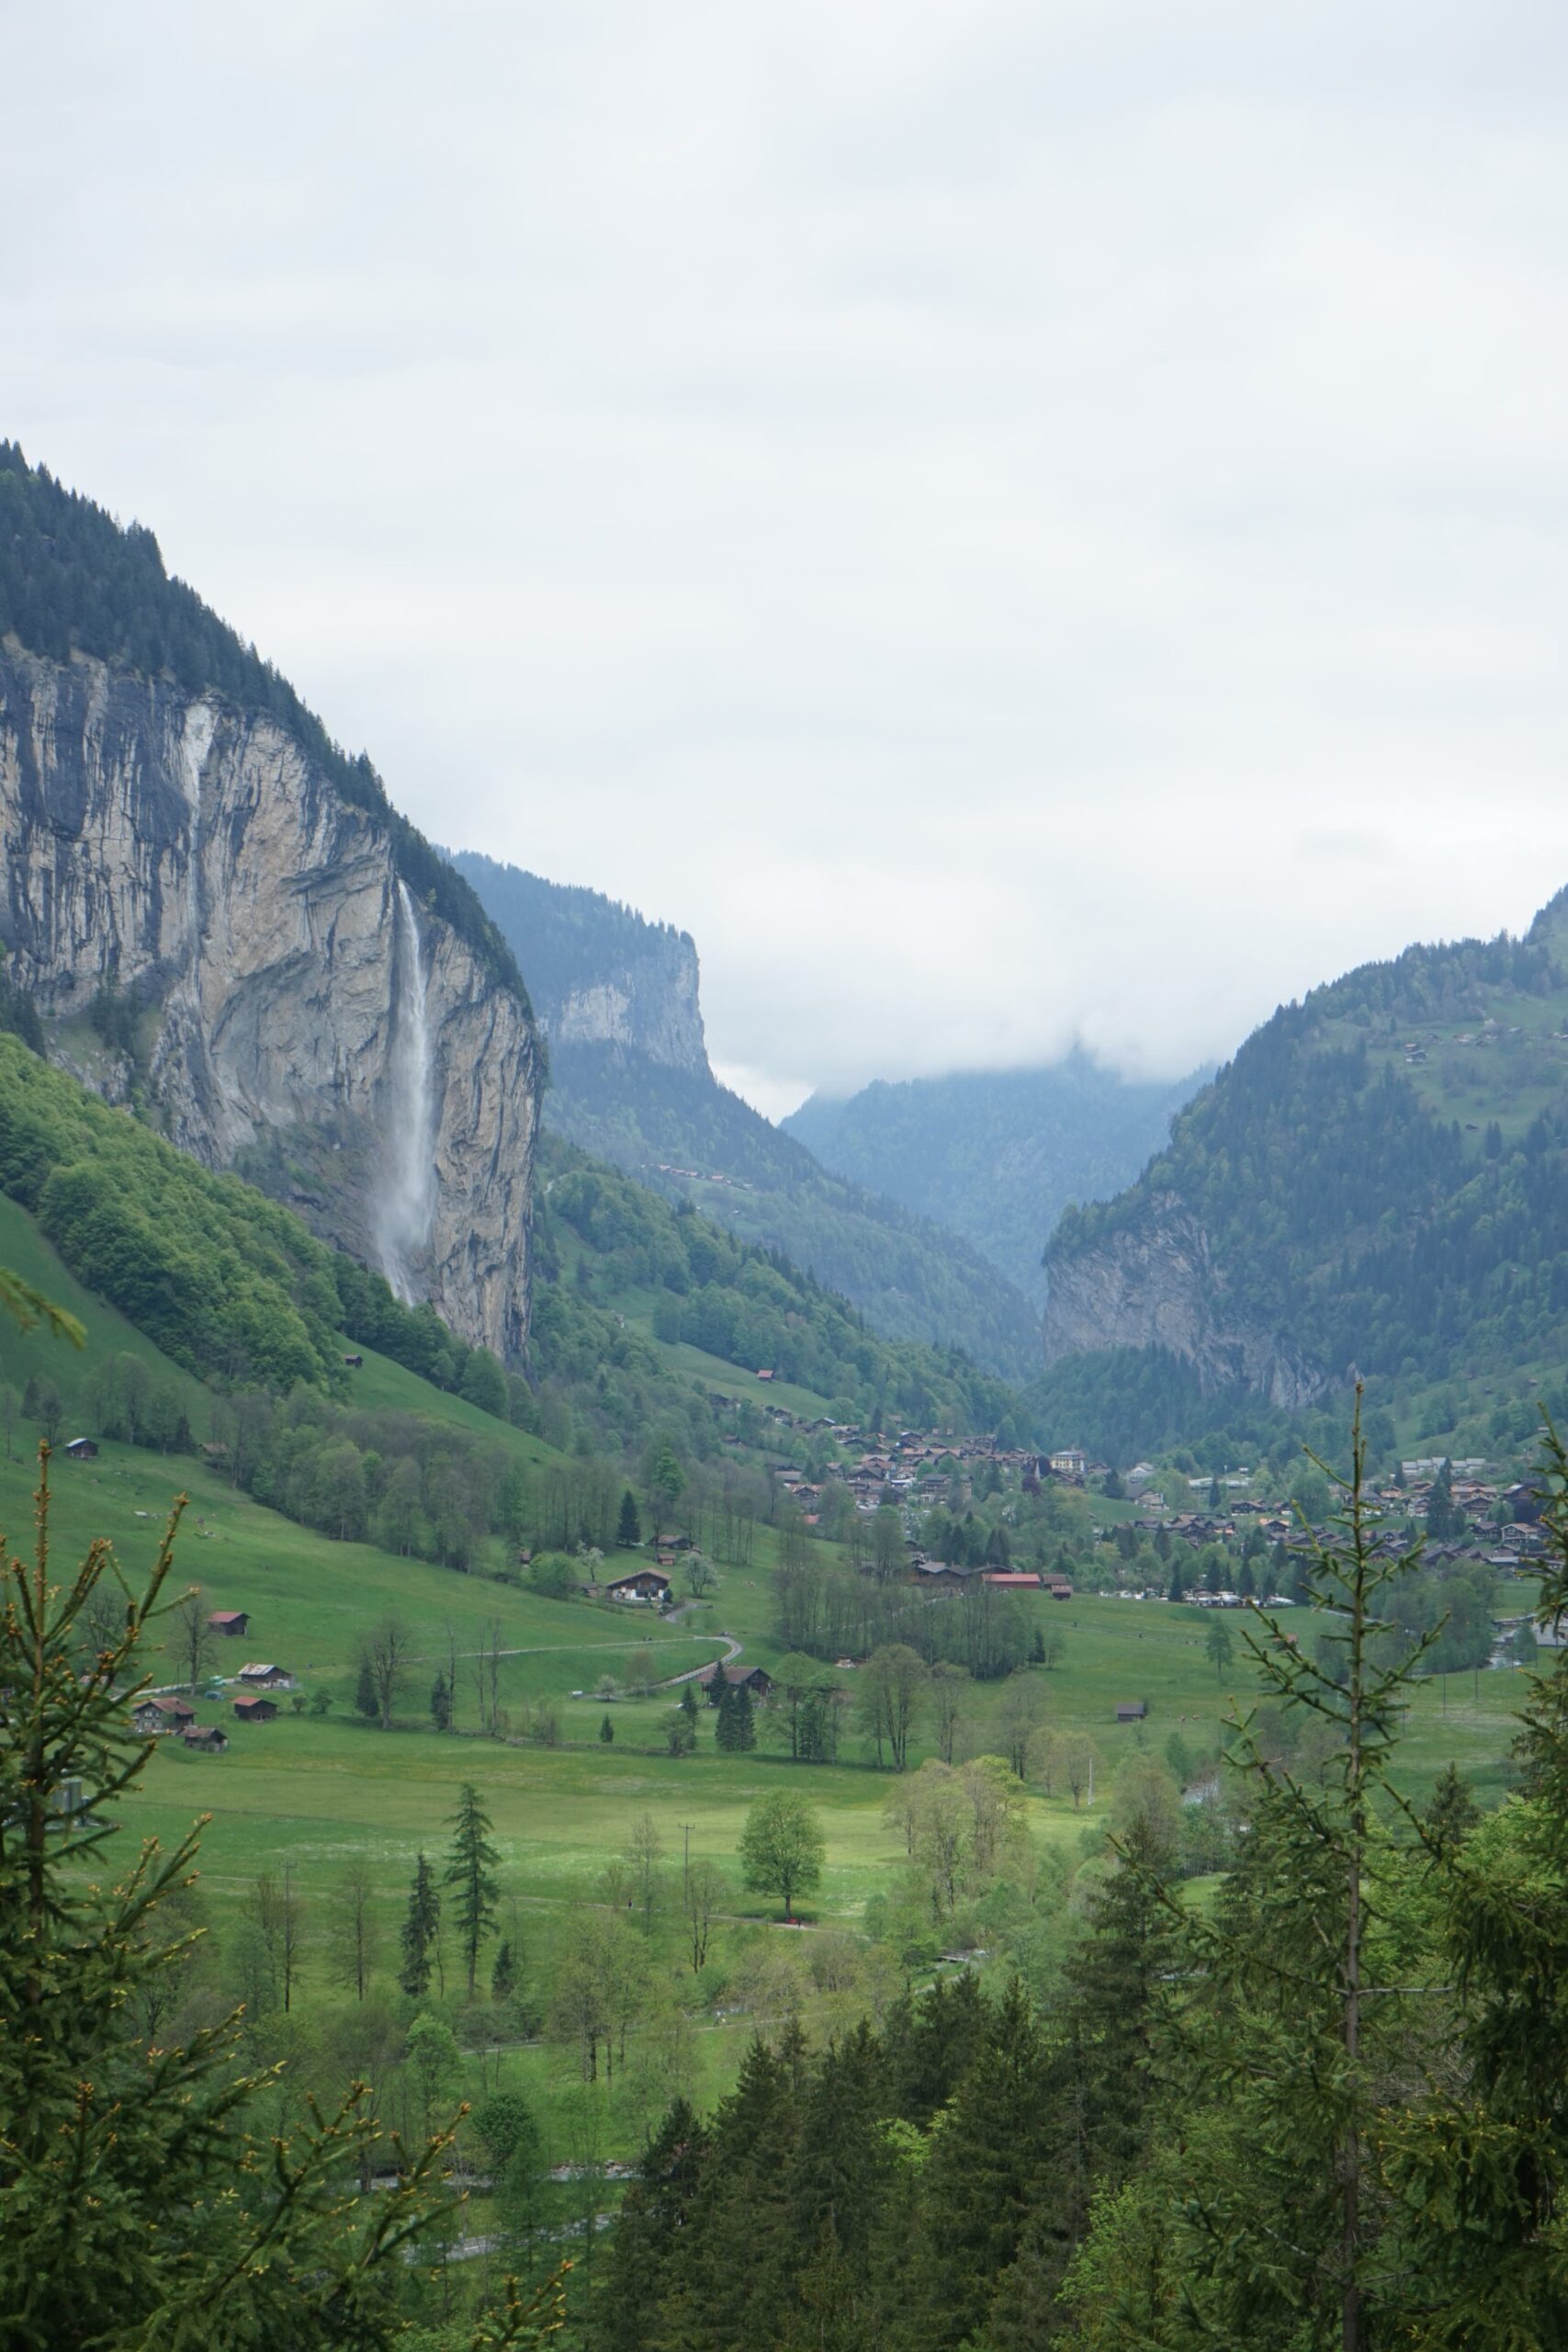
(319, 1792)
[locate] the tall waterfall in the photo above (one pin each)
(407, 1203)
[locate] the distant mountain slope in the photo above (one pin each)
(1378, 1181)
(599, 973)
(996, 1155)
(630, 1083)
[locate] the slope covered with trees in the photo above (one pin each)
(996, 1155)
(1380, 1178)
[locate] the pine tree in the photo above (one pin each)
(843, 2164)
(689, 1708)
(929, 2045)
(441, 1704)
(145, 2197)
(1485, 2174)
(421, 1925)
(651, 2243)
(1302, 2005)
(986, 2169)
(742, 1721)
(606, 1730)
(628, 1531)
(1453, 1812)
(471, 1871)
(365, 1698)
(736, 2254)
(504, 1977)
(1114, 1980)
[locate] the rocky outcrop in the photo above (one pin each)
(195, 856)
(1152, 1282)
(598, 973)
(649, 1006)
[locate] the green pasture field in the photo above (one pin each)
(316, 1793)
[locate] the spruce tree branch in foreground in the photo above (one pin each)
(29, 1307)
(143, 2214)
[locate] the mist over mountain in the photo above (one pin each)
(631, 1083)
(996, 1155)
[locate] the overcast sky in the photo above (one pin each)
(1009, 522)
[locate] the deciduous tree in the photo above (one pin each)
(782, 1848)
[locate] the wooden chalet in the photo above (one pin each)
(643, 1584)
(152, 1717)
(755, 1678)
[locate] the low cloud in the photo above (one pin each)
(1010, 523)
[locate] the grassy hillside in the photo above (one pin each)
(713, 1291)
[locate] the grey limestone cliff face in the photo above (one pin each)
(649, 1007)
(598, 973)
(1154, 1284)
(196, 856)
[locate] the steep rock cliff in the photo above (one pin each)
(1153, 1283)
(598, 973)
(305, 1019)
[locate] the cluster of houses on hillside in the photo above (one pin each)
(255, 1688)
(947, 1576)
(916, 1466)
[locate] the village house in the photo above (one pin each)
(255, 1711)
(942, 1576)
(1132, 1711)
(227, 1622)
(1013, 1579)
(81, 1449)
(755, 1678)
(267, 1678)
(152, 1717)
(207, 1738)
(643, 1584)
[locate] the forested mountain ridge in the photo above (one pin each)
(599, 973)
(631, 1084)
(996, 1155)
(1377, 1182)
(216, 915)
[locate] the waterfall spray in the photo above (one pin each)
(407, 1201)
